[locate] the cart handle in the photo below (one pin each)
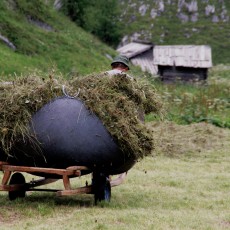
(119, 180)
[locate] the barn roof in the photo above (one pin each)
(133, 49)
(183, 55)
(140, 54)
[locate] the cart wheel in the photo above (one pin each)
(102, 188)
(17, 178)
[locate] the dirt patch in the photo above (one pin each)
(1, 218)
(225, 224)
(9, 217)
(173, 139)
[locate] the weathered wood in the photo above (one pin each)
(119, 180)
(3, 163)
(13, 187)
(140, 54)
(77, 168)
(175, 73)
(183, 55)
(82, 190)
(6, 177)
(69, 172)
(66, 182)
(65, 173)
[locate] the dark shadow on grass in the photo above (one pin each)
(77, 200)
(118, 200)
(51, 200)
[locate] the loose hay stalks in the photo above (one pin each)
(118, 102)
(18, 102)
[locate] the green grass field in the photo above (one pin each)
(190, 191)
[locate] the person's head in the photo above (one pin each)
(120, 62)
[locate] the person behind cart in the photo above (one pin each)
(120, 64)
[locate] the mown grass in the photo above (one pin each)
(189, 192)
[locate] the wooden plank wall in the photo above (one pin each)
(144, 60)
(187, 56)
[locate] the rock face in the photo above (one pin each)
(185, 10)
(7, 42)
(188, 8)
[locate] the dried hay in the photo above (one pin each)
(18, 102)
(117, 101)
(172, 139)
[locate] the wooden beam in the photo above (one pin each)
(119, 180)
(6, 177)
(3, 163)
(10, 188)
(82, 190)
(70, 172)
(66, 182)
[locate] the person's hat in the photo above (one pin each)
(121, 59)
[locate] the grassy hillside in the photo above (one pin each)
(174, 25)
(46, 39)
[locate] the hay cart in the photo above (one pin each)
(72, 142)
(14, 182)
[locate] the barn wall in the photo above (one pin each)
(187, 56)
(173, 73)
(144, 60)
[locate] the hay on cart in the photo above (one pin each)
(118, 101)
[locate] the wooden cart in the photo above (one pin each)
(15, 184)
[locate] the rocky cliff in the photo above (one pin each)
(168, 22)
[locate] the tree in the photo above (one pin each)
(75, 9)
(99, 17)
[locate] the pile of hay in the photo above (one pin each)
(172, 139)
(118, 102)
(19, 100)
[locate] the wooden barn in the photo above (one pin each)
(182, 62)
(140, 54)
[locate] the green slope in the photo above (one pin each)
(45, 39)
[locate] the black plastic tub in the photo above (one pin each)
(69, 134)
